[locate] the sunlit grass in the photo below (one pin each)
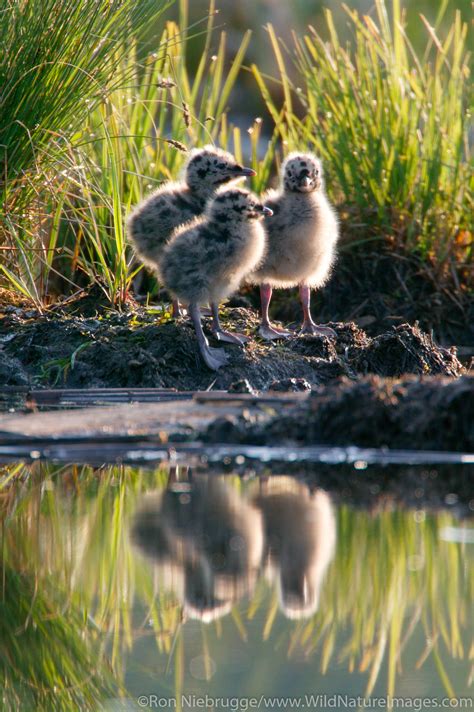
(138, 139)
(392, 127)
(128, 132)
(392, 577)
(58, 61)
(90, 125)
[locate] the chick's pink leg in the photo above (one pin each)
(266, 330)
(308, 326)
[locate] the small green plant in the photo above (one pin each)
(55, 372)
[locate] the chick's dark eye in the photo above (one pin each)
(221, 165)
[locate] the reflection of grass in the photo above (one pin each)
(392, 577)
(49, 657)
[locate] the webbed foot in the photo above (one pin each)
(271, 333)
(214, 358)
(230, 337)
(309, 327)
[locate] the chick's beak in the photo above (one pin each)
(267, 212)
(306, 182)
(245, 172)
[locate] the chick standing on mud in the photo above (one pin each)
(151, 223)
(206, 260)
(302, 237)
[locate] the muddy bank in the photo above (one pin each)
(377, 286)
(85, 345)
(433, 413)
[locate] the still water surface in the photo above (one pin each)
(130, 588)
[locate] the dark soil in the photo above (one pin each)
(381, 287)
(85, 344)
(431, 413)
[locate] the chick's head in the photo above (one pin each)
(210, 167)
(234, 205)
(302, 173)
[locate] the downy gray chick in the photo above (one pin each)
(206, 260)
(152, 222)
(302, 237)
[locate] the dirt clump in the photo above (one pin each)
(137, 347)
(432, 413)
(403, 349)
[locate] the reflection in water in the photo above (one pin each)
(83, 615)
(206, 540)
(300, 537)
(209, 542)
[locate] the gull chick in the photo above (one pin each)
(302, 237)
(152, 222)
(206, 260)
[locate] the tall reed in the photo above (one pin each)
(392, 125)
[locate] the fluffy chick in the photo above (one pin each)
(206, 260)
(302, 237)
(151, 223)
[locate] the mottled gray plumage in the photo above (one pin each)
(151, 223)
(206, 260)
(302, 233)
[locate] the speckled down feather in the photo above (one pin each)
(206, 260)
(152, 222)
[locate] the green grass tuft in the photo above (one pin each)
(392, 128)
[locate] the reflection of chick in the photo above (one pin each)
(206, 540)
(302, 237)
(300, 536)
(151, 223)
(206, 260)
(181, 568)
